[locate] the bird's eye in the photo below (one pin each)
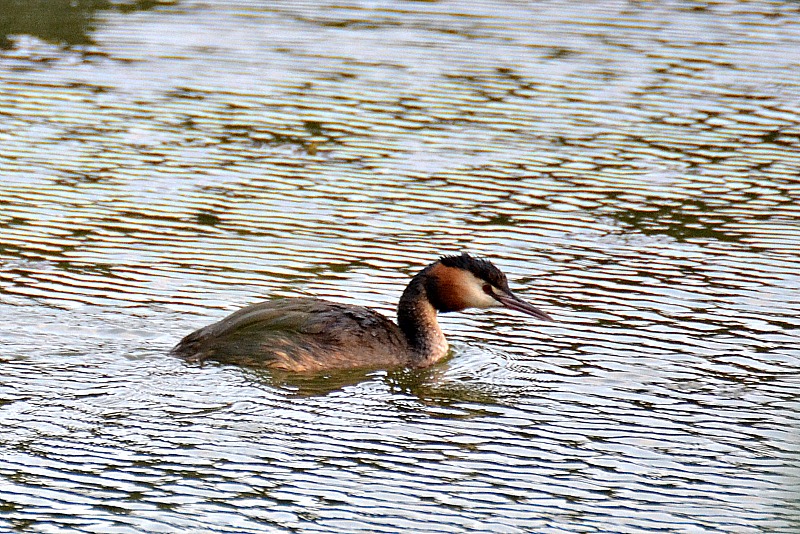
(487, 289)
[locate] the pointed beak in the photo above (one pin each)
(513, 302)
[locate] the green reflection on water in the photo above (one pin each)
(63, 22)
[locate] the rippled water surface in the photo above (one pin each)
(633, 167)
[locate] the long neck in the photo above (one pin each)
(416, 317)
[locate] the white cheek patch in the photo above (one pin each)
(473, 294)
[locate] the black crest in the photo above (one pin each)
(481, 268)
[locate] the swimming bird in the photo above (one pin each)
(309, 334)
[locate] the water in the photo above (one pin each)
(632, 167)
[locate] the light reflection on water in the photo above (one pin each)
(633, 169)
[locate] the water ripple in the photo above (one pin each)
(632, 168)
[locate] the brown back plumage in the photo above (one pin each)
(299, 334)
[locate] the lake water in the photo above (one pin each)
(633, 167)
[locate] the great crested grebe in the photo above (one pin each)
(308, 334)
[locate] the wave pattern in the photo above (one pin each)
(634, 169)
